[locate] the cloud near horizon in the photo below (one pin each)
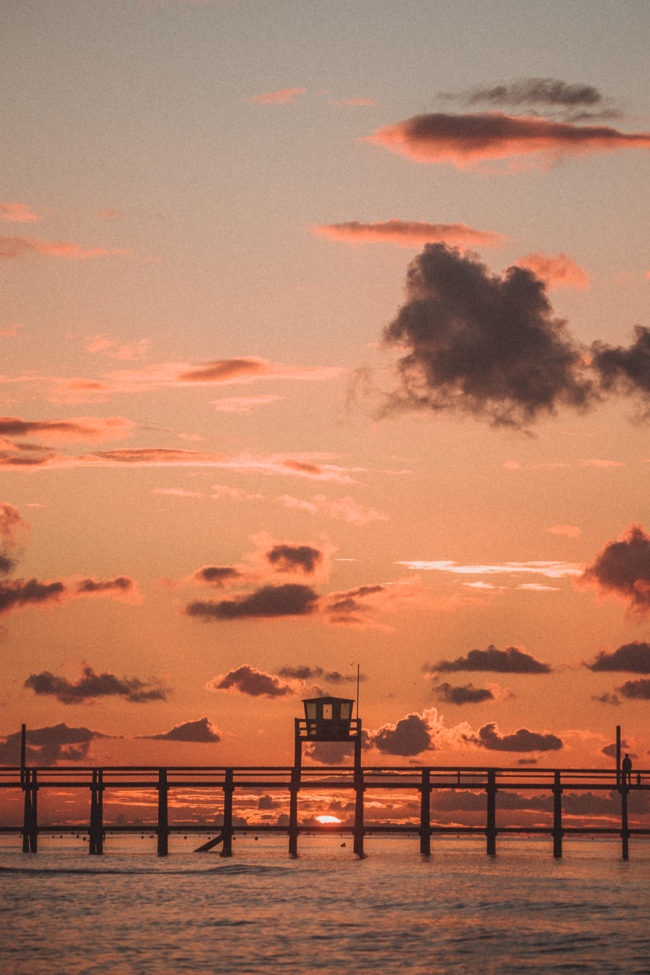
(268, 602)
(631, 657)
(521, 741)
(468, 140)
(202, 731)
(510, 661)
(407, 233)
(91, 686)
(48, 746)
(462, 694)
(252, 682)
(480, 344)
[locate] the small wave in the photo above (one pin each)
(233, 869)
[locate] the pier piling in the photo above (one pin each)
(425, 813)
(228, 789)
(490, 830)
(557, 816)
(163, 814)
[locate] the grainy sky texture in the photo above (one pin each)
(325, 341)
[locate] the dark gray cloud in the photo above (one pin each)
(195, 731)
(510, 661)
(531, 91)
(249, 680)
(625, 370)
(607, 698)
(119, 584)
(635, 690)
(522, 741)
(217, 575)
(20, 593)
(409, 736)
(91, 686)
(465, 694)
(330, 752)
(47, 746)
(289, 558)
(12, 527)
(269, 601)
(631, 657)
(482, 344)
(7, 565)
(622, 568)
(610, 750)
(305, 673)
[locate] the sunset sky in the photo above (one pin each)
(325, 342)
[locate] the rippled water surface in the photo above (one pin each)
(393, 912)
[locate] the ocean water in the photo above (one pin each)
(460, 911)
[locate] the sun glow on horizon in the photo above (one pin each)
(327, 819)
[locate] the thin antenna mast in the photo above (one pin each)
(357, 691)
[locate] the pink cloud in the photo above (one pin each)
(127, 352)
(243, 404)
(17, 213)
(557, 272)
(571, 531)
(346, 508)
(72, 430)
(466, 140)
(284, 96)
(407, 233)
(355, 102)
(34, 457)
(21, 246)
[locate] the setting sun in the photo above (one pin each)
(327, 819)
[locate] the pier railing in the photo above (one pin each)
(224, 782)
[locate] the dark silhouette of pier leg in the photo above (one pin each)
(625, 833)
(163, 814)
(210, 844)
(293, 812)
(490, 828)
(425, 813)
(30, 813)
(228, 789)
(96, 829)
(359, 789)
(557, 816)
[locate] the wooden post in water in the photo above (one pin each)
(228, 789)
(490, 828)
(96, 828)
(557, 816)
(618, 756)
(625, 833)
(425, 813)
(30, 813)
(358, 811)
(293, 812)
(163, 814)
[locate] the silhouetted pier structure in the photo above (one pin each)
(225, 783)
(326, 719)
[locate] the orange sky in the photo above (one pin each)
(325, 343)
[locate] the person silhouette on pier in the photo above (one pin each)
(626, 767)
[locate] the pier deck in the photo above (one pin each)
(225, 782)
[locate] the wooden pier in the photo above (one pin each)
(226, 782)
